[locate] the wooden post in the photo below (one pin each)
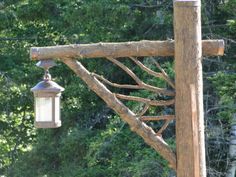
(190, 146)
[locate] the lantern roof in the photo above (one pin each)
(47, 86)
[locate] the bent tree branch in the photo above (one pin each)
(162, 75)
(147, 133)
(139, 81)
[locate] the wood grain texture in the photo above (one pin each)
(146, 100)
(122, 49)
(157, 118)
(190, 146)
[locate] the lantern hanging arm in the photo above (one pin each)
(47, 76)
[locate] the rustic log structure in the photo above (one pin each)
(185, 93)
(122, 49)
(190, 145)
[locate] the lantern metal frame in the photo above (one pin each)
(47, 89)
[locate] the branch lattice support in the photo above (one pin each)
(125, 113)
(139, 81)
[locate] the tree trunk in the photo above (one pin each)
(232, 149)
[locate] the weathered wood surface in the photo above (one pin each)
(125, 113)
(156, 118)
(146, 100)
(122, 49)
(190, 146)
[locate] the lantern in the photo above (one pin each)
(47, 99)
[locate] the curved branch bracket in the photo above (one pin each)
(136, 125)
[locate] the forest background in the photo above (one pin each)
(93, 141)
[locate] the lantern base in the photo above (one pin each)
(47, 124)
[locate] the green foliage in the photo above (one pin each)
(122, 153)
(225, 86)
(94, 142)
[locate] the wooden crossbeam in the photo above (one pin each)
(121, 49)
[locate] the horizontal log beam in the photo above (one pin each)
(121, 49)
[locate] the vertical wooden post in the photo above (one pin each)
(190, 144)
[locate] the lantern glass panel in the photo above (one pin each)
(57, 109)
(43, 109)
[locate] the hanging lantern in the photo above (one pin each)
(47, 99)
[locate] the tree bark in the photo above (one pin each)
(190, 145)
(125, 113)
(232, 149)
(122, 49)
